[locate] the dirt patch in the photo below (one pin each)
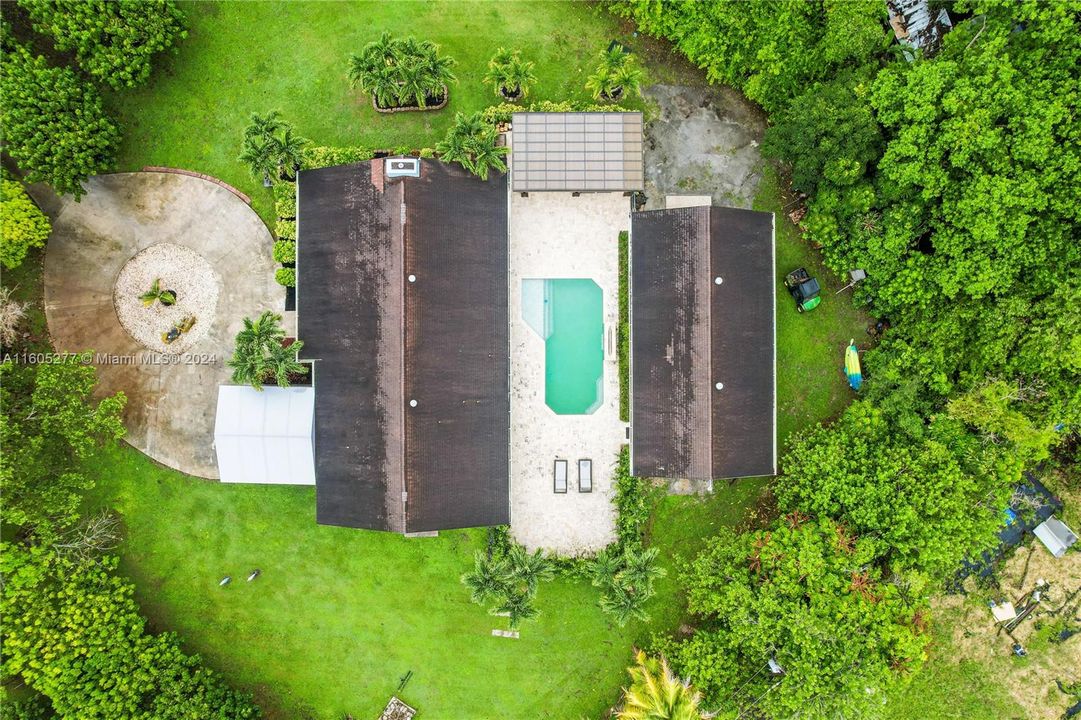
(703, 141)
(1030, 680)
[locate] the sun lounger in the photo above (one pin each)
(585, 475)
(560, 475)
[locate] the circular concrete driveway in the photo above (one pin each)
(171, 399)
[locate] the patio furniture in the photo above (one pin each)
(585, 475)
(560, 476)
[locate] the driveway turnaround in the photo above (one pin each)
(212, 251)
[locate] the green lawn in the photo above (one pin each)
(243, 57)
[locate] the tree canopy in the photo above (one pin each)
(54, 123)
(114, 41)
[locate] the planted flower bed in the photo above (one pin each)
(402, 75)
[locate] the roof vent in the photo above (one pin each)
(403, 167)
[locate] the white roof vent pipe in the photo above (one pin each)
(402, 167)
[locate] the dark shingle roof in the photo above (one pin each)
(689, 333)
(380, 341)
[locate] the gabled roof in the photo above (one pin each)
(689, 333)
(578, 151)
(379, 341)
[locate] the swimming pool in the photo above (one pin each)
(567, 314)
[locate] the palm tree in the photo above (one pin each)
(509, 75)
(263, 127)
(640, 569)
(517, 607)
(288, 150)
(600, 83)
(156, 294)
(281, 362)
(623, 604)
(528, 570)
(487, 580)
(438, 74)
(258, 353)
(626, 80)
(603, 568)
(471, 143)
(413, 84)
(259, 155)
(655, 693)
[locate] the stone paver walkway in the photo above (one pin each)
(171, 400)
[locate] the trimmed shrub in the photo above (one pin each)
(285, 200)
(285, 251)
(321, 157)
(502, 112)
(286, 229)
(286, 277)
(22, 225)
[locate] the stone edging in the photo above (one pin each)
(216, 181)
(388, 111)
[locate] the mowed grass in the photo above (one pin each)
(244, 57)
(337, 615)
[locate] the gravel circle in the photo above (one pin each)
(180, 269)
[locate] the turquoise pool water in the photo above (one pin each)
(568, 315)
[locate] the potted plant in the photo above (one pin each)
(156, 294)
(509, 75)
(617, 75)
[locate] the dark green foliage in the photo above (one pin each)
(320, 157)
(508, 579)
(617, 75)
(48, 425)
(261, 355)
(632, 502)
(471, 142)
(401, 72)
(510, 76)
(54, 124)
(271, 150)
(624, 328)
(807, 595)
(73, 632)
(772, 50)
(285, 251)
(113, 40)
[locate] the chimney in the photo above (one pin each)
(377, 174)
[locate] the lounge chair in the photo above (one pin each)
(585, 475)
(560, 476)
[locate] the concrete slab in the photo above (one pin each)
(685, 201)
(557, 235)
(704, 141)
(171, 399)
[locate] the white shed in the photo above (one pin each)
(265, 437)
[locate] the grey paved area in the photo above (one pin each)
(704, 142)
(171, 405)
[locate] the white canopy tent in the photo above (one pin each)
(265, 437)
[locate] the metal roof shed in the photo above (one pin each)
(265, 436)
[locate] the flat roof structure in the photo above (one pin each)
(703, 386)
(402, 305)
(577, 151)
(265, 436)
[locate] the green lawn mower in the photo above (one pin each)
(804, 289)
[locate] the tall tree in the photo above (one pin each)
(113, 40)
(49, 424)
(54, 124)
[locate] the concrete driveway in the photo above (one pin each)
(171, 399)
